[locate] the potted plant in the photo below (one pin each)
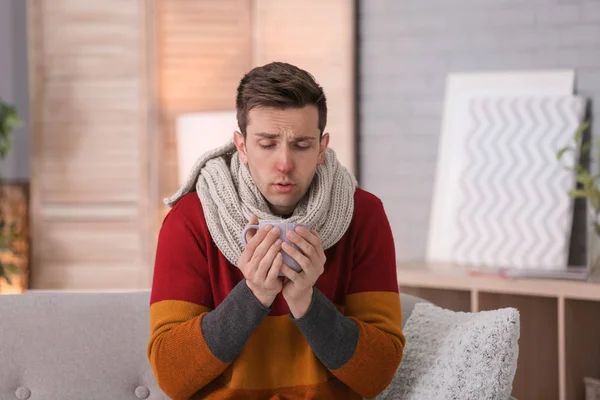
(10, 251)
(588, 183)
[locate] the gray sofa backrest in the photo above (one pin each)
(75, 346)
(65, 345)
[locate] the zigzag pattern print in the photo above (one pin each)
(514, 207)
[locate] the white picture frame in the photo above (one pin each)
(460, 89)
(200, 132)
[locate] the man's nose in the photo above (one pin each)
(284, 162)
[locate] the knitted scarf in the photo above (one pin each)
(229, 198)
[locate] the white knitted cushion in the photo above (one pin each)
(457, 355)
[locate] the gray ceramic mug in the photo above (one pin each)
(284, 228)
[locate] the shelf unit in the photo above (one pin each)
(559, 343)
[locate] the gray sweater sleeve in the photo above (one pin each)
(227, 328)
(332, 336)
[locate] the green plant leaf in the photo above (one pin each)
(594, 195)
(4, 275)
(578, 193)
(562, 152)
(597, 228)
(585, 147)
(9, 120)
(579, 132)
(18, 253)
(8, 269)
(586, 180)
(13, 121)
(12, 268)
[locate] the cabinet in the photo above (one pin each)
(560, 322)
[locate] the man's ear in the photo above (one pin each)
(323, 147)
(240, 143)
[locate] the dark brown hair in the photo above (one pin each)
(279, 85)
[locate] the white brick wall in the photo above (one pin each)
(406, 49)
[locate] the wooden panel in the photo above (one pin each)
(456, 300)
(203, 50)
(91, 178)
(80, 243)
(97, 161)
(582, 345)
(537, 368)
(317, 36)
(89, 276)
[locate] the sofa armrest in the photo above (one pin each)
(407, 303)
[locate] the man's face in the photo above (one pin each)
(282, 150)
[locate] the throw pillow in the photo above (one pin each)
(457, 355)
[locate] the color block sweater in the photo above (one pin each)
(212, 339)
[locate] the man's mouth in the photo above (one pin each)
(283, 187)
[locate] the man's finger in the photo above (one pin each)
(304, 245)
(262, 241)
(310, 236)
(255, 242)
(302, 260)
(289, 273)
(265, 264)
(275, 268)
(250, 234)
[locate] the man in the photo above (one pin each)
(223, 323)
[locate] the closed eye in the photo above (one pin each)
(299, 146)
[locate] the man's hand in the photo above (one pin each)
(261, 262)
(298, 290)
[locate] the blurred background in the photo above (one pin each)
(100, 87)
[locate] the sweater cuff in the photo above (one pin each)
(332, 336)
(227, 328)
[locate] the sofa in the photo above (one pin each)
(82, 345)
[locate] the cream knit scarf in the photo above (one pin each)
(229, 198)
